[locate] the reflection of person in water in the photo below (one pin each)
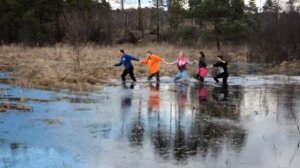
(153, 101)
(126, 102)
(126, 87)
(182, 95)
(136, 133)
(220, 93)
(203, 94)
(125, 106)
(157, 133)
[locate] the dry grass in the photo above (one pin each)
(8, 106)
(53, 67)
(286, 67)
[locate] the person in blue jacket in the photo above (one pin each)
(126, 61)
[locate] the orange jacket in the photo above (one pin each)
(152, 62)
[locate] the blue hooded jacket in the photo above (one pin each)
(126, 60)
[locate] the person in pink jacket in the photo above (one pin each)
(202, 71)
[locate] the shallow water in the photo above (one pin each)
(252, 123)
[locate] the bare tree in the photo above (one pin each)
(76, 36)
(125, 19)
(157, 19)
(141, 27)
(158, 4)
(291, 5)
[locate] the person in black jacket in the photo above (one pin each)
(223, 73)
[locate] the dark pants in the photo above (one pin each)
(222, 75)
(198, 77)
(126, 71)
(154, 74)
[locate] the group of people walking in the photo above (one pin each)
(181, 62)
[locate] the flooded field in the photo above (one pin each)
(254, 122)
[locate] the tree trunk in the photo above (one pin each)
(217, 32)
(157, 19)
(108, 20)
(57, 29)
(218, 43)
(125, 19)
(141, 28)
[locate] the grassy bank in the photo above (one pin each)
(56, 67)
(286, 67)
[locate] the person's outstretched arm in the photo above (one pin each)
(165, 62)
(215, 65)
(120, 63)
(132, 57)
(145, 61)
(159, 58)
(218, 64)
(171, 63)
(190, 62)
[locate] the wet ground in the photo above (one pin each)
(254, 122)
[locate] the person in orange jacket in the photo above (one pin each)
(153, 64)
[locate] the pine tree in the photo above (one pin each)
(227, 18)
(176, 12)
(251, 8)
(271, 6)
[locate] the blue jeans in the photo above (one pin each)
(182, 74)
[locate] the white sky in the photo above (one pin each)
(134, 3)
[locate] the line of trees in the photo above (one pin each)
(40, 22)
(271, 31)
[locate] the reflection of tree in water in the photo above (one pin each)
(161, 142)
(277, 100)
(157, 131)
(180, 147)
(288, 99)
(208, 137)
(237, 140)
(187, 133)
(204, 137)
(199, 137)
(137, 129)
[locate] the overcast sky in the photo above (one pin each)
(134, 3)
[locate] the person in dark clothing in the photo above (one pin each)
(202, 62)
(202, 71)
(220, 93)
(223, 73)
(131, 86)
(126, 61)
